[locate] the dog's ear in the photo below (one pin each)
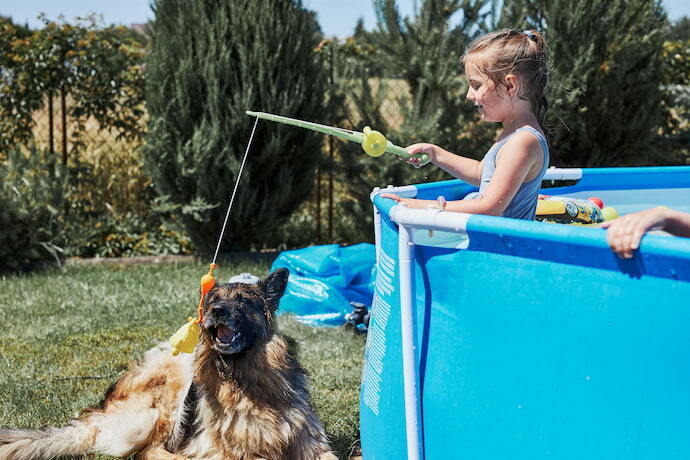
(273, 287)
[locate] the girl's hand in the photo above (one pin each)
(392, 196)
(625, 233)
(409, 202)
(414, 149)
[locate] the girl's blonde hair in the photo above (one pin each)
(523, 54)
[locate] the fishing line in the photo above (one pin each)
(234, 191)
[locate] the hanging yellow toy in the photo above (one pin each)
(186, 337)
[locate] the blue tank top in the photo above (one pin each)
(524, 203)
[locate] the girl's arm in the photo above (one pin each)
(625, 233)
(519, 156)
(465, 169)
(677, 223)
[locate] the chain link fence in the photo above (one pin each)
(115, 168)
(112, 164)
(324, 202)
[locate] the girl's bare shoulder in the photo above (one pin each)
(523, 143)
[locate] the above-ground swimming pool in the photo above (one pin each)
(495, 338)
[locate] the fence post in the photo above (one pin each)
(63, 104)
(318, 202)
(330, 151)
(51, 141)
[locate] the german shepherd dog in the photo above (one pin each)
(241, 395)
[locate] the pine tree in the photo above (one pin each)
(420, 97)
(211, 60)
(679, 30)
(604, 76)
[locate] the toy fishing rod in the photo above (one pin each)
(373, 142)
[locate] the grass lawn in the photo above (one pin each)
(68, 334)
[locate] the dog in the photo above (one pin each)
(241, 395)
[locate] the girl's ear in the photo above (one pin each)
(512, 85)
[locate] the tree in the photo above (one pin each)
(674, 132)
(98, 68)
(604, 76)
(420, 97)
(679, 30)
(21, 31)
(210, 61)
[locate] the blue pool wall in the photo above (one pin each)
(536, 341)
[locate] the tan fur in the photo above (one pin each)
(252, 407)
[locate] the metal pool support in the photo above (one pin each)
(413, 413)
(408, 221)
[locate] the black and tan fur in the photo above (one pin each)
(241, 395)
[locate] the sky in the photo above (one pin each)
(337, 17)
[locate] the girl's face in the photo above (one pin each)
(483, 93)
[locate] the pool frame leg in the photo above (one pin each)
(413, 419)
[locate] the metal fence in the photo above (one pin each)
(390, 92)
(116, 163)
(54, 131)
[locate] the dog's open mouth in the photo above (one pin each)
(225, 339)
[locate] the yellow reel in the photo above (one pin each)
(374, 143)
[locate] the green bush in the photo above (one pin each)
(32, 201)
(94, 227)
(674, 132)
(210, 62)
(99, 68)
(604, 78)
(44, 215)
(127, 235)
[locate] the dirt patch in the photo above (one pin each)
(151, 260)
(130, 261)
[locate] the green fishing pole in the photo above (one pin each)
(373, 142)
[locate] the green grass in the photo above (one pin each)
(68, 334)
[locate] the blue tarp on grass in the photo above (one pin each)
(325, 279)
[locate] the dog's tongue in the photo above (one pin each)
(225, 334)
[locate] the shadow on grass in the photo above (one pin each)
(346, 447)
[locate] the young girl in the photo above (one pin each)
(507, 76)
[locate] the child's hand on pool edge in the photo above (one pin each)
(393, 196)
(409, 202)
(413, 202)
(625, 233)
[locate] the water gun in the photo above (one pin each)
(567, 210)
(373, 142)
